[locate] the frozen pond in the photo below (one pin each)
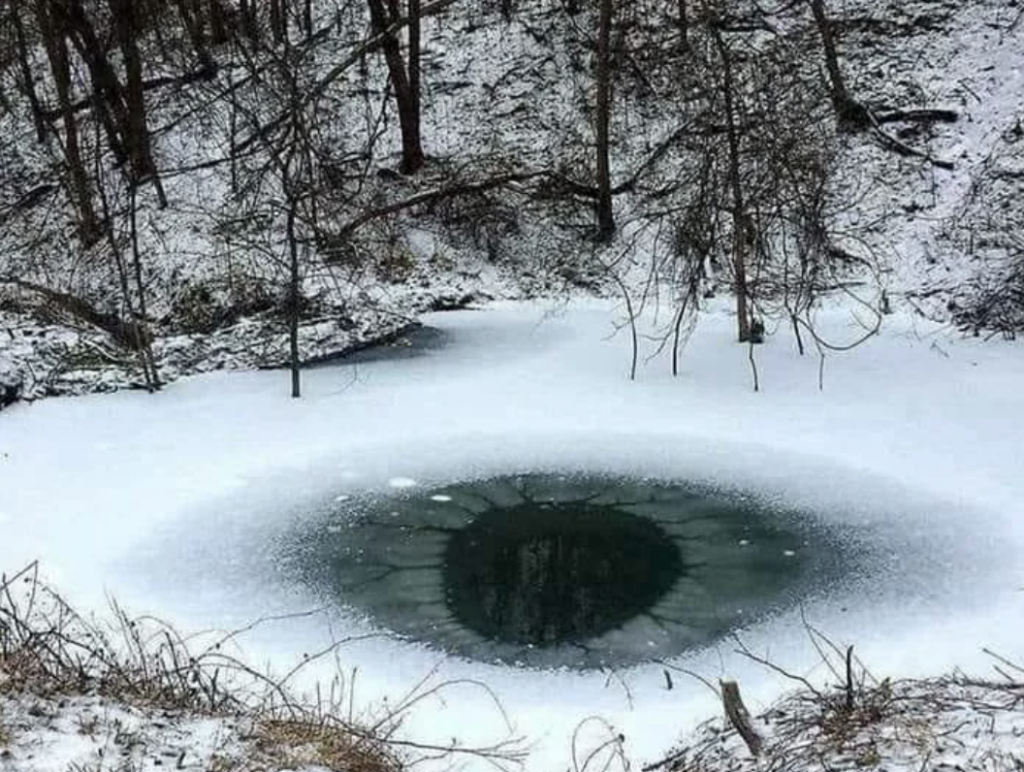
(576, 571)
(902, 476)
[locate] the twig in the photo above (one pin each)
(746, 652)
(1003, 660)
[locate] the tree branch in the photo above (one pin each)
(437, 194)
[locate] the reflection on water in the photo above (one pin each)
(564, 570)
(547, 573)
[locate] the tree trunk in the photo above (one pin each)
(193, 23)
(406, 100)
(307, 18)
(294, 287)
(739, 218)
(278, 21)
(139, 145)
(414, 62)
(683, 20)
(219, 33)
(139, 154)
(107, 89)
(739, 717)
(851, 115)
(80, 185)
(146, 357)
(247, 14)
(26, 75)
(602, 118)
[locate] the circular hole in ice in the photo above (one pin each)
(542, 574)
(566, 570)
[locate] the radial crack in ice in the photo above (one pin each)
(566, 569)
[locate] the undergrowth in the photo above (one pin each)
(860, 722)
(49, 650)
(854, 722)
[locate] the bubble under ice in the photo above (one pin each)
(553, 570)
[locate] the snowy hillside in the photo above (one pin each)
(505, 204)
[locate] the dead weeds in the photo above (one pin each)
(288, 743)
(48, 649)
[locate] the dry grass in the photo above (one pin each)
(288, 743)
(921, 722)
(48, 649)
(863, 723)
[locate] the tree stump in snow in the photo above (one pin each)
(739, 716)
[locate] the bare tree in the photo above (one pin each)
(404, 73)
(283, 187)
(135, 130)
(851, 115)
(79, 184)
(27, 78)
(602, 118)
(741, 226)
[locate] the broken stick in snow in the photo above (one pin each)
(739, 716)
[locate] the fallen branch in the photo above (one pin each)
(431, 196)
(915, 116)
(902, 148)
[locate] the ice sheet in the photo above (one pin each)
(175, 503)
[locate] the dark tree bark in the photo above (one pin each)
(278, 21)
(414, 62)
(107, 90)
(602, 117)
(739, 717)
(146, 357)
(740, 222)
(194, 23)
(851, 115)
(26, 74)
(80, 185)
(126, 25)
(307, 17)
(683, 20)
(220, 32)
(406, 99)
(247, 16)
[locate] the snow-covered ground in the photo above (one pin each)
(175, 503)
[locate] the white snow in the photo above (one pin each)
(80, 733)
(402, 482)
(174, 503)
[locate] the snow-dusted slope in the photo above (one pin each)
(937, 227)
(513, 94)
